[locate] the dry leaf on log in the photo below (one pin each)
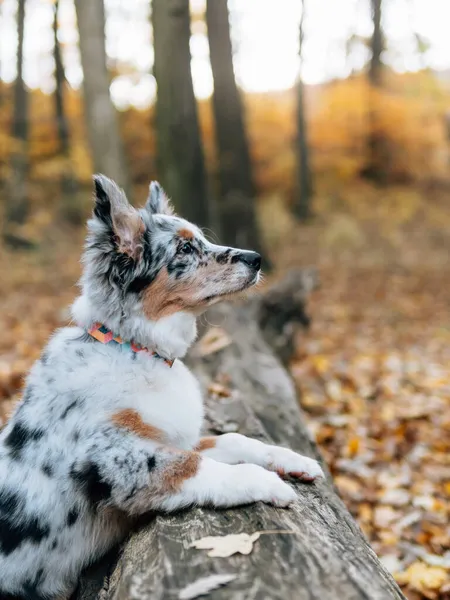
(204, 585)
(226, 545)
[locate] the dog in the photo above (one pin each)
(109, 425)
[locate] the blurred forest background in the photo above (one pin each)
(316, 131)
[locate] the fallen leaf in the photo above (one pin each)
(204, 585)
(422, 577)
(333, 389)
(391, 562)
(384, 516)
(349, 487)
(438, 561)
(407, 521)
(395, 497)
(218, 389)
(227, 545)
(353, 446)
(215, 339)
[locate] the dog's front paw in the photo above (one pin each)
(287, 462)
(260, 484)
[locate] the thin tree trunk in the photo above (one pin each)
(17, 198)
(2, 92)
(236, 209)
(103, 131)
(180, 153)
(70, 208)
(375, 69)
(302, 207)
(376, 166)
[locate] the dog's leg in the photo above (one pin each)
(142, 477)
(234, 448)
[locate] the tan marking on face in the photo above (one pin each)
(186, 467)
(163, 298)
(206, 443)
(130, 419)
(186, 234)
(166, 296)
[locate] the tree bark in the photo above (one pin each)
(236, 208)
(324, 558)
(101, 117)
(17, 198)
(376, 166)
(70, 207)
(375, 68)
(180, 153)
(302, 207)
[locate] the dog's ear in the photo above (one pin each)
(157, 201)
(113, 209)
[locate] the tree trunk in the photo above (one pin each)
(102, 126)
(302, 207)
(324, 558)
(180, 153)
(376, 166)
(375, 68)
(2, 91)
(17, 198)
(236, 208)
(70, 207)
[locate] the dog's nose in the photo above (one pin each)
(252, 259)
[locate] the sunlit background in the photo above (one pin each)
(265, 36)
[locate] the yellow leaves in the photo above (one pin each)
(353, 446)
(423, 578)
(320, 363)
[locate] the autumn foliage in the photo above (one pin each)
(410, 115)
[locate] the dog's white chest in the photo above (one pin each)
(169, 399)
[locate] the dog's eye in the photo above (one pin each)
(186, 248)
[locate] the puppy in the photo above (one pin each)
(109, 425)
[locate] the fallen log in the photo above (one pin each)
(324, 556)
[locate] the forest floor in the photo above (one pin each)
(373, 370)
(373, 374)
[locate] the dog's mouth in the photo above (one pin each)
(251, 281)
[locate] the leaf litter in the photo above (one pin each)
(374, 382)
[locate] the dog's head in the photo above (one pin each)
(151, 263)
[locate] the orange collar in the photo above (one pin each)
(104, 335)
